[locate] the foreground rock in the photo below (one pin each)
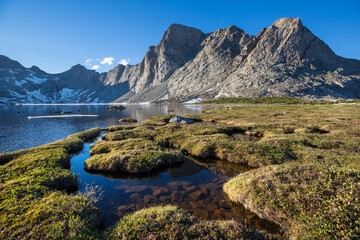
(179, 119)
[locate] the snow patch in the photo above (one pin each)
(36, 80)
(165, 97)
(194, 100)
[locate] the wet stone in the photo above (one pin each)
(135, 196)
(160, 191)
(176, 196)
(165, 199)
(202, 214)
(217, 213)
(204, 190)
(194, 205)
(196, 196)
(225, 204)
(149, 199)
(136, 188)
(211, 186)
(190, 189)
(212, 207)
(228, 214)
(123, 208)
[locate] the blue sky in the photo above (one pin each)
(57, 34)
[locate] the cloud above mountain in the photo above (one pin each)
(124, 62)
(107, 60)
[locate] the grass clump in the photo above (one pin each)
(119, 127)
(310, 201)
(131, 156)
(138, 132)
(275, 100)
(34, 194)
(170, 222)
(129, 120)
(158, 120)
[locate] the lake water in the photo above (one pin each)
(18, 132)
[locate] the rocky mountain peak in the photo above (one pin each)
(179, 41)
(288, 22)
(7, 63)
(78, 67)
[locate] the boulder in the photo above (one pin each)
(179, 119)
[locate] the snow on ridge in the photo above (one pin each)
(165, 97)
(36, 80)
(194, 100)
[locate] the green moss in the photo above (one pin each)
(131, 156)
(87, 135)
(139, 132)
(158, 121)
(34, 199)
(171, 222)
(311, 201)
(119, 127)
(274, 100)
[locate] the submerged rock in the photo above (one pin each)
(115, 107)
(179, 119)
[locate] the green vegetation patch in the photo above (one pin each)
(138, 132)
(275, 100)
(170, 222)
(34, 199)
(133, 155)
(310, 201)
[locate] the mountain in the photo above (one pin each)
(284, 59)
(32, 85)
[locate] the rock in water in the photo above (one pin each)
(115, 107)
(179, 119)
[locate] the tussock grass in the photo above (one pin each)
(132, 155)
(170, 222)
(34, 194)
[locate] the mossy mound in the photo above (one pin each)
(310, 201)
(120, 127)
(34, 199)
(129, 120)
(216, 141)
(132, 155)
(138, 132)
(170, 222)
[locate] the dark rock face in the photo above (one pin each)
(284, 59)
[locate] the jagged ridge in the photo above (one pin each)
(284, 59)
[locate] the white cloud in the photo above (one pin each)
(124, 61)
(107, 60)
(88, 61)
(95, 67)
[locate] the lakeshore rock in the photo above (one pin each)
(179, 119)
